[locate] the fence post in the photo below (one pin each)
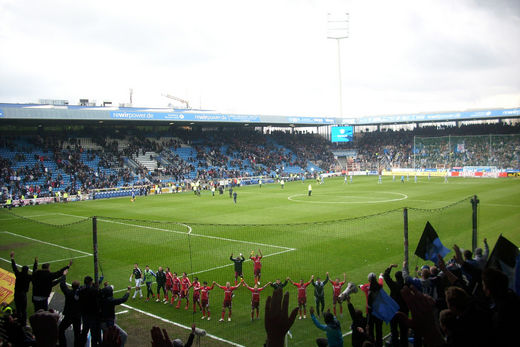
(95, 244)
(405, 228)
(474, 204)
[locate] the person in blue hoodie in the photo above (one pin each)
(332, 329)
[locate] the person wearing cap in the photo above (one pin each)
(108, 314)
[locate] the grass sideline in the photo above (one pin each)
(290, 227)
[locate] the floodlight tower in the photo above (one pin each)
(338, 29)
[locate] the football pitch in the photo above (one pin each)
(353, 228)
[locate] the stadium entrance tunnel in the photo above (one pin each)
(351, 198)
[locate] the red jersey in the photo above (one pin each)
(185, 283)
(255, 297)
(256, 261)
(337, 287)
(302, 293)
(204, 291)
(228, 292)
(169, 279)
(176, 283)
(196, 288)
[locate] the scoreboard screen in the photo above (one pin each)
(342, 134)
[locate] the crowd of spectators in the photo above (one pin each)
(41, 165)
(462, 302)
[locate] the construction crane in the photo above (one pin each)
(177, 99)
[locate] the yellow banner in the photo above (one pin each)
(7, 280)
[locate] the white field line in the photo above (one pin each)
(192, 234)
(47, 243)
(32, 216)
(179, 325)
(52, 261)
(122, 312)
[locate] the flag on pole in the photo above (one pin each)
(430, 245)
(505, 257)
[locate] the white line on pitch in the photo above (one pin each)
(197, 235)
(121, 312)
(47, 243)
(43, 262)
(231, 264)
(179, 325)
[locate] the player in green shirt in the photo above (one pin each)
(319, 292)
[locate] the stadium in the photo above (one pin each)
(201, 220)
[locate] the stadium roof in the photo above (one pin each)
(97, 113)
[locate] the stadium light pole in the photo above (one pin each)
(338, 29)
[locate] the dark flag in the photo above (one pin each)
(430, 246)
(505, 257)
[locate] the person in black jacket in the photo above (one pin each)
(21, 287)
(89, 306)
(279, 284)
(43, 280)
(398, 328)
(359, 323)
(108, 313)
(71, 311)
(238, 266)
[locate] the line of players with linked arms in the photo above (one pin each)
(177, 288)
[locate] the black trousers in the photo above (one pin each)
(20, 300)
(65, 324)
(319, 300)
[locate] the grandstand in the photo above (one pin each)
(95, 153)
(42, 155)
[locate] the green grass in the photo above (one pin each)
(311, 235)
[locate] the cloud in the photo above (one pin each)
(269, 57)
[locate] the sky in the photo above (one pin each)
(264, 57)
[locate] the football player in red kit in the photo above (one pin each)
(302, 297)
(255, 298)
(169, 285)
(185, 288)
(336, 291)
(196, 294)
(204, 298)
(228, 296)
(257, 270)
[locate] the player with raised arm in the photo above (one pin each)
(169, 285)
(302, 296)
(238, 266)
(176, 288)
(196, 294)
(137, 274)
(336, 291)
(319, 293)
(185, 288)
(228, 296)
(257, 269)
(255, 298)
(204, 298)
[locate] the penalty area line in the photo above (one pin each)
(189, 233)
(47, 243)
(179, 325)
